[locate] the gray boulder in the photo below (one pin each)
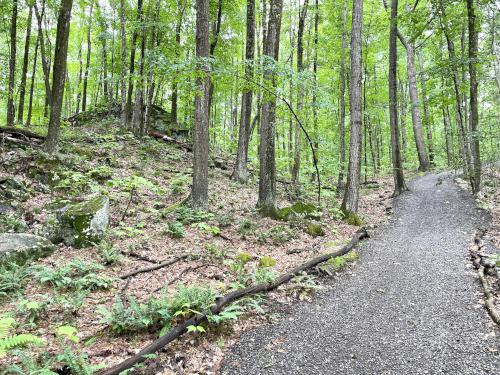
(84, 223)
(22, 247)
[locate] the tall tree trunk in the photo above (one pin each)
(340, 183)
(415, 110)
(315, 88)
(213, 44)
(267, 169)
(403, 119)
(397, 164)
(138, 111)
(427, 121)
(12, 65)
(351, 194)
(123, 72)
(133, 44)
(474, 117)
(58, 75)
(199, 194)
(32, 85)
(80, 77)
(178, 30)
(240, 172)
(300, 92)
(87, 66)
(447, 133)
(22, 88)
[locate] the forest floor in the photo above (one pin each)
(144, 179)
(410, 306)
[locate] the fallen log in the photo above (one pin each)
(16, 132)
(168, 139)
(157, 266)
(221, 302)
(489, 302)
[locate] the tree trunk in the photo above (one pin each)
(138, 111)
(351, 194)
(415, 111)
(397, 164)
(199, 194)
(133, 44)
(178, 30)
(240, 172)
(87, 66)
(123, 72)
(300, 92)
(447, 133)
(340, 183)
(404, 136)
(474, 117)
(22, 88)
(58, 75)
(427, 121)
(80, 77)
(315, 88)
(267, 169)
(32, 85)
(12, 65)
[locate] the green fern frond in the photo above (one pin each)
(5, 325)
(18, 341)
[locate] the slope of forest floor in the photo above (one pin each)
(221, 248)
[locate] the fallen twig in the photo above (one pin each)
(221, 302)
(156, 267)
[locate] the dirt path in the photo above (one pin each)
(411, 305)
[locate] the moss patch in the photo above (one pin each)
(352, 218)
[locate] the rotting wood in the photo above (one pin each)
(17, 131)
(157, 266)
(166, 138)
(221, 302)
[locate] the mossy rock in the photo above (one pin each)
(11, 189)
(83, 224)
(22, 247)
(299, 209)
(314, 230)
(352, 218)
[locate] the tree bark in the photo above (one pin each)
(138, 111)
(12, 65)
(397, 164)
(300, 92)
(80, 77)
(340, 183)
(474, 117)
(178, 30)
(32, 86)
(199, 194)
(240, 172)
(267, 170)
(58, 75)
(351, 194)
(427, 121)
(22, 88)
(133, 44)
(123, 71)
(87, 66)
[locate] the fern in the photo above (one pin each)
(8, 343)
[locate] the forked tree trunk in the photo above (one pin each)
(32, 85)
(351, 194)
(240, 172)
(59, 74)
(267, 169)
(199, 194)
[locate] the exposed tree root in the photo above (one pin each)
(157, 266)
(18, 133)
(489, 302)
(221, 302)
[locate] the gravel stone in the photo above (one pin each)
(412, 305)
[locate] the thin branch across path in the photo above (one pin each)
(223, 301)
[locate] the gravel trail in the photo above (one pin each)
(410, 306)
